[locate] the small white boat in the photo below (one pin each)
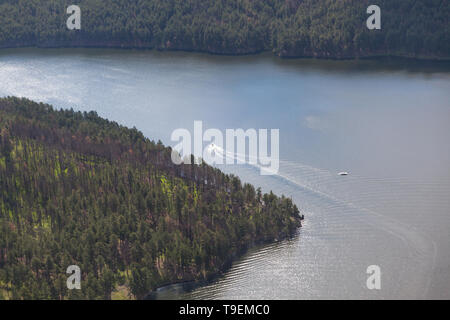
(343, 173)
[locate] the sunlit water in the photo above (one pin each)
(385, 122)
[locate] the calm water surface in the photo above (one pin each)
(386, 122)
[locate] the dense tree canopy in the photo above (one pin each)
(319, 28)
(76, 189)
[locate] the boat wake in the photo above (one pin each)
(420, 251)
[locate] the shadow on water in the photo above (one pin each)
(348, 66)
(369, 65)
(184, 289)
(173, 291)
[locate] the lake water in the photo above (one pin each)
(385, 122)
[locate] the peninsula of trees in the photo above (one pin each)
(76, 189)
(288, 28)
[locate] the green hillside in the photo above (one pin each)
(290, 28)
(76, 189)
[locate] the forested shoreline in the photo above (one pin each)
(288, 28)
(76, 189)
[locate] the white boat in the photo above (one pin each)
(343, 173)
